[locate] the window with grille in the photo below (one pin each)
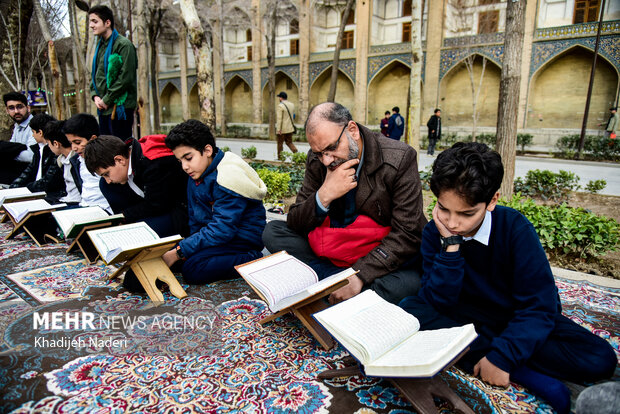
(347, 40)
(488, 21)
(485, 2)
(586, 11)
(406, 32)
(407, 8)
(248, 35)
(351, 18)
(249, 53)
(294, 26)
(294, 47)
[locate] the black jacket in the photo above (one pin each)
(52, 181)
(434, 124)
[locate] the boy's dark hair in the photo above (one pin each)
(14, 96)
(53, 133)
(191, 133)
(81, 125)
(387, 113)
(100, 152)
(471, 169)
(436, 110)
(104, 13)
(396, 109)
(38, 122)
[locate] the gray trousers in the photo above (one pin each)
(392, 287)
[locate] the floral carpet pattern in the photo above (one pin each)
(230, 364)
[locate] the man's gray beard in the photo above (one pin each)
(354, 152)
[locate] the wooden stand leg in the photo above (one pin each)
(304, 313)
(420, 393)
(148, 271)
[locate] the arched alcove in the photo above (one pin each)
(345, 94)
(388, 89)
(171, 105)
(283, 84)
(238, 101)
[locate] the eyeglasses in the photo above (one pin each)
(18, 107)
(331, 148)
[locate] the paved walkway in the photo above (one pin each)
(586, 170)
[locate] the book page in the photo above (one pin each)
(12, 192)
(20, 209)
(66, 219)
(367, 325)
(121, 237)
(278, 276)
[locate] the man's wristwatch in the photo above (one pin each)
(450, 241)
(179, 253)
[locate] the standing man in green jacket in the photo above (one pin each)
(113, 85)
(613, 123)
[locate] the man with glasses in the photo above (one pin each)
(16, 154)
(360, 205)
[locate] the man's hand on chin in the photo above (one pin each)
(353, 288)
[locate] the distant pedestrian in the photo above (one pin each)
(434, 131)
(612, 123)
(396, 124)
(384, 123)
(284, 123)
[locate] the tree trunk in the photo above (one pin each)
(154, 87)
(204, 65)
(53, 59)
(271, 62)
(79, 62)
(183, 63)
(509, 93)
(415, 81)
(331, 95)
(144, 101)
(220, 49)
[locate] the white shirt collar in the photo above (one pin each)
(484, 232)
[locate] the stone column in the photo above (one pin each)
(305, 22)
(434, 40)
(526, 59)
(183, 65)
(363, 16)
(257, 98)
(218, 55)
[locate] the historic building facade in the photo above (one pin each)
(375, 62)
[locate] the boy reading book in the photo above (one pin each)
(141, 180)
(226, 213)
(42, 174)
(58, 143)
(80, 129)
(484, 264)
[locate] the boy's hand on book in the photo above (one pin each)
(170, 257)
(348, 291)
(491, 374)
(338, 182)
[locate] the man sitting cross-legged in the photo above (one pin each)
(360, 205)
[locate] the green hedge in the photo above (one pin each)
(547, 185)
(595, 147)
(277, 184)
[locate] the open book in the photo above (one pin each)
(11, 195)
(282, 280)
(120, 243)
(387, 340)
(21, 209)
(71, 221)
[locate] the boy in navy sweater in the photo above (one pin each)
(226, 213)
(484, 264)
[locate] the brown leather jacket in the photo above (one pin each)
(389, 191)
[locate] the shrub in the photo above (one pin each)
(225, 149)
(523, 140)
(237, 131)
(425, 178)
(249, 152)
(569, 231)
(299, 158)
(594, 186)
(276, 182)
(284, 155)
(547, 185)
(595, 147)
(296, 174)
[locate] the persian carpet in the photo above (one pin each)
(227, 364)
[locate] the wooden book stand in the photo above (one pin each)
(418, 391)
(303, 311)
(32, 225)
(85, 244)
(149, 267)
